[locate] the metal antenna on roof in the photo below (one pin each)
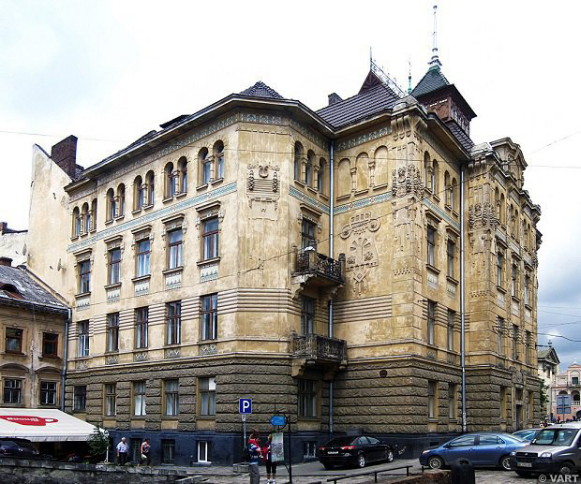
(435, 61)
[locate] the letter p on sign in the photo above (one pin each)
(245, 405)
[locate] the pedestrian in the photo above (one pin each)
(270, 466)
(255, 456)
(145, 449)
(122, 450)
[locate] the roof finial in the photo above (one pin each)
(370, 58)
(409, 76)
(435, 61)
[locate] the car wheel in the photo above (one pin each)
(566, 469)
(361, 461)
(505, 463)
(389, 455)
(435, 462)
(523, 473)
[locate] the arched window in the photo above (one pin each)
(435, 175)
(362, 173)
(205, 166)
(86, 218)
(150, 188)
(343, 178)
(428, 179)
(576, 399)
(298, 160)
(77, 224)
(121, 200)
(502, 210)
(183, 174)
(111, 205)
(94, 214)
(309, 168)
(447, 188)
(321, 176)
(219, 159)
(453, 191)
(138, 193)
(169, 181)
(381, 170)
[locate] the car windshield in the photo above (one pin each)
(340, 441)
(555, 437)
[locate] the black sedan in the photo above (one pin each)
(356, 451)
(19, 448)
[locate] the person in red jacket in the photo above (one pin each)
(255, 454)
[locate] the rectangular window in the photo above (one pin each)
(114, 272)
(500, 336)
(139, 399)
(575, 380)
(83, 338)
(528, 341)
(50, 344)
(309, 449)
(84, 276)
(307, 315)
(143, 257)
(79, 398)
(135, 450)
(503, 402)
(173, 312)
(172, 397)
(13, 340)
(168, 451)
(499, 269)
(431, 324)
(450, 253)
(515, 332)
(308, 229)
(209, 316)
(48, 393)
(207, 396)
(110, 399)
(431, 242)
(12, 391)
(307, 398)
(141, 327)
(527, 290)
(113, 332)
(204, 451)
(452, 404)
(450, 332)
(210, 238)
(514, 280)
(174, 246)
(432, 400)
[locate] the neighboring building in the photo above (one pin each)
(32, 325)
(13, 244)
(566, 403)
(548, 367)
(313, 261)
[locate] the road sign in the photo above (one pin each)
(278, 420)
(245, 406)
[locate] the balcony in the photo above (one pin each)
(321, 352)
(318, 269)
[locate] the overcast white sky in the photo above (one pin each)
(110, 71)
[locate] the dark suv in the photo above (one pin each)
(19, 448)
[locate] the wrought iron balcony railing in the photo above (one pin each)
(311, 262)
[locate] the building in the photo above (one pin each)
(33, 325)
(362, 267)
(566, 404)
(13, 244)
(548, 368)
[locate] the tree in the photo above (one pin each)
(98, 444)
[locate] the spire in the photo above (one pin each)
(435, 61)
(409, 76)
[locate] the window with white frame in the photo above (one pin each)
(110, 403)
(83, 338)
(141, 327)
(210, 238)
(174, 248)
(142, 258)
(207, 396)
(114, 262)
(173, 314)
(209, 316)
(139, 398)
(113, 332)
(12, 391)
(204, 448)
(431, 323)
(431, 244)
(48, 393)
(205, 163)
(84, 268)
(172, 398)
(307, 398)
(219, 159)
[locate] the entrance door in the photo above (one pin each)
(518, 417)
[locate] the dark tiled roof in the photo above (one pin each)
(460, 135)
(363, 105)
(18, 286)
(432, 81)
(260, 89)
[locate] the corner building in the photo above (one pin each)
(346, 267)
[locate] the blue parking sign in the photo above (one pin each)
(245, 406)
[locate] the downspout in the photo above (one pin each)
(331, 252)
(462, 301)
(65, 358)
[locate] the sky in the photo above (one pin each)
(110, 71)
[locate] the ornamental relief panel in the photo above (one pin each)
(263, 191)
(362, 252)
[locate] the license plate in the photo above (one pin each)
(524, 464)
(333, 452)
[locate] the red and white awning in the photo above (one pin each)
(43, 425)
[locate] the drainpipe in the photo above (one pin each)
(65, 358)
(331, 254)
(462, 300)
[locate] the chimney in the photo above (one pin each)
(64, 154)
(6, 261)
(3, 227)
(334, 98)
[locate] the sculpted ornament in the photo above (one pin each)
(481, 215)
(263, 191)
(407, 181)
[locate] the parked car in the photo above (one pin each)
(526, 434)
(481, 450)
(555, 449)
(356, 450)
(20, 448)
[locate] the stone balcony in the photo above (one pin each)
(316, 351)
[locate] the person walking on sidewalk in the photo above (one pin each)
(122, 451)
(255, 456)
(270, 466)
